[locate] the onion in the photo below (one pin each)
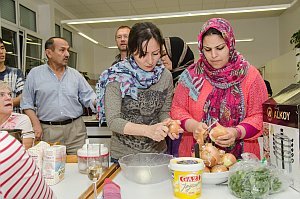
(174, 127)
(218, 168)
(228, 160)
(216, 132)
(210, 155)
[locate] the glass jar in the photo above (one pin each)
(92, 152)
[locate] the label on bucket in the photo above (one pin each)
(187, 184)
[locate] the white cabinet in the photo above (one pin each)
(99, 135)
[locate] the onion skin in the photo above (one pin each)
(174, 127)
(216, 132)
(218, 168)
(210, 155)
(228, 160)
(208, 159)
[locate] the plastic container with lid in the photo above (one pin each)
(187, 177)
(90, 152)
(104, 157)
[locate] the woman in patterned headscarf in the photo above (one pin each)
(221, 86)
(176, 56)
(135, 95)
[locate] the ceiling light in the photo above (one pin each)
(89, 38)
(33, 43)
(112, 47)
(7, 42)
(237, 40)
(179, 14)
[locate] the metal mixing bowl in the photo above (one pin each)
(146, 168)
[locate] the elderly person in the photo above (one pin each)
(53, 96)
(11, 120)
(221, 86)
(135, 96)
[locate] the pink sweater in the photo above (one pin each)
(255, 93)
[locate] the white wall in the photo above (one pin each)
(279, 73)
(49, 13)
(282, 70)
(289, 23)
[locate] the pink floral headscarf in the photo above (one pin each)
(236, 68)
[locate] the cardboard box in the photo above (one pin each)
(54, 160)
(281, 131)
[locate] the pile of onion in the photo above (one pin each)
(216, 160)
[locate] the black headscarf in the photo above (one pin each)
(180, 54)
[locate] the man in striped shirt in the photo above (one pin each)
(13, 76)
(19, 175)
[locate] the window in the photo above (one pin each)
(68, 36)
(73, 59)
(8, 10)
(27, 18)
(57, 31)
(9, 38)
(33, 53)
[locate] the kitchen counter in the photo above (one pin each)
(96, 134)
(73, 185)
(90, 121)
(164, 190)
(76, 183)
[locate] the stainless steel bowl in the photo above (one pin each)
(146, 168)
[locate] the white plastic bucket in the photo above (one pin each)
(187, 177)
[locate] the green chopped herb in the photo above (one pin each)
(256, 183)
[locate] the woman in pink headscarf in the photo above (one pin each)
(221, 86)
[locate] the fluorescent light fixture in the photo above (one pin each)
(196, 43)
(237, 40)
(179, 14)
(7, 42)
(89, 38)
(33, 43)
(112, 47)
(244, 40)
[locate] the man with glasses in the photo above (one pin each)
(121, 38)
(13, 76)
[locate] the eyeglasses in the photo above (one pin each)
(122, 37)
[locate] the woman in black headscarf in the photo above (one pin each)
(176, 56)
